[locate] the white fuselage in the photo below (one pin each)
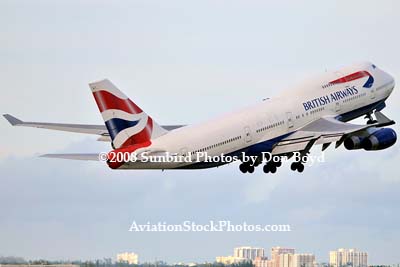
(275, 117)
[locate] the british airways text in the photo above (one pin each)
(323, 100)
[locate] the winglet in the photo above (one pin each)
(12, 120)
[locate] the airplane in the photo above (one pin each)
(314, 113)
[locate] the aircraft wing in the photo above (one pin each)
(324, 131)
(92, 157)
(97, 156)
(100, 130)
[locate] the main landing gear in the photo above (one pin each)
(272, 166)
(297, 166)
(269, 167)
(245, 167)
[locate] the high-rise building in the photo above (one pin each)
(303, 260)
(128, 257)
(285, 260)
(286, 257)
(248, 252)
(275, 251)
(227, 260)
(348, 257)
(277, 256)
(263, 262)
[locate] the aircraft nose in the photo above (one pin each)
(392, 82)
(389, 81)
(391, 78)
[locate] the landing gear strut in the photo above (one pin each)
(299, 165)
(370, 118)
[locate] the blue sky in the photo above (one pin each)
(185, 62)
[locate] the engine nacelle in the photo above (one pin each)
(353, 142)
(377, 140)
(381, 139)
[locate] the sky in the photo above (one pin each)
(184, 62)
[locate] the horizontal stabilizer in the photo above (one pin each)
(92, 157)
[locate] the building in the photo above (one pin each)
(277, 256)
(39, 265)
(286, 257)
(303, 260)
(285, 260)
(227, 260)
(263, 262)
(348, 257)
(276, 251)
(241, 254)
(128, 257)
(248, 252)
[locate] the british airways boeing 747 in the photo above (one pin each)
(294, 121)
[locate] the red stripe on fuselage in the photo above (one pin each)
(105, 100)
(351, 77)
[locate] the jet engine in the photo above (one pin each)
(378, 140)
(381, 139)
(353, 142)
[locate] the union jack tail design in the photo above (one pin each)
(127, 124)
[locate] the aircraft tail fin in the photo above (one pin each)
(126, 123)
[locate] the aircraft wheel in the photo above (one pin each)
(243, 168)
(293, 166)
(278, 163)
(266, 168)
(250, 169)
(300, 167)
(273, 169)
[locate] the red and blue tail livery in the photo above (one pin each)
(126, 123)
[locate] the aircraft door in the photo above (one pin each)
(372, 93)
(184, 151)
(337, 106)
(247, 134)
(289, 118)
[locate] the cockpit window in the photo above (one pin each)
(373, 66)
